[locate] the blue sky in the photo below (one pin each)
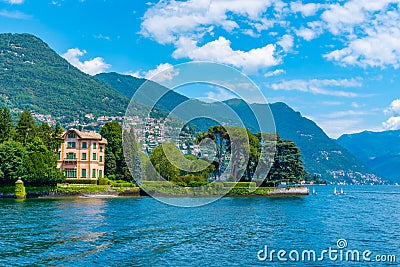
(337, 63)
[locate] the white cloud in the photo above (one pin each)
(305, 9)
(316, 86)
(286, 42)
(92, 67)
(274, 73)
(167, 21)
(369, 30)
(185, 24)
(15, 2)
(14, 14)
(393, 123)
(163, 72)
(220, 51)
(394, 108)
(220, 95)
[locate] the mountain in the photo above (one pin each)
(36, 78)
(321, 155)
(379, 150)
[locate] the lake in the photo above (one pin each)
(228, 232)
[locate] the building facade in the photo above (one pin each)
(82, 155)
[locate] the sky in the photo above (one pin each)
(337, 62)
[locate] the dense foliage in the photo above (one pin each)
(117, 165)
(28, 151)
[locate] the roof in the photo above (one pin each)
(87, 135)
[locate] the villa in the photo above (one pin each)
(81, 155)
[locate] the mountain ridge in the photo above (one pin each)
(379, 150)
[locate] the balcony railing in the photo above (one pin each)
(70, 160)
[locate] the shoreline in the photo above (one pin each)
(112, 192)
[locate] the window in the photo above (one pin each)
(84, 145)
(70, 173)
(71, 135)
(94, 156)
(101, 149)
(100, 174)
(71, 156)
(71, 145)
(94, 145)
(93, 173)
(58, 156)
(101, 159)
(84, 156)
(83, 175)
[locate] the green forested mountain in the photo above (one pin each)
(379, 150)
(36, 78)
(321, 155)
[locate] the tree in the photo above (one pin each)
(161, 163)
(25, 129)
(12, 162)
(221, 139)
(41, 165)
(112, 131)
(287, 166)
(6, 125)
(110, 166)
(50, 137)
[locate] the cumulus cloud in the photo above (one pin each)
(167, 21)
(322, 87)
(305, 9)
(92, 67)
(394, 108)
(163, 72)
(369, 30)
(220, 51)
(274, 73)
(393, 123)
(286, 42)
(185, 24)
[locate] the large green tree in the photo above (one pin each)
(41, 165)
(6, 125)
(220, 136)
(162, 164)
(117, 169)
(12, 162)
(287, 165)
(26, 127)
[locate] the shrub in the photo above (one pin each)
(240, 184)
(81, 181)
(103, 181)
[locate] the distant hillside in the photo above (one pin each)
(34, 77)
(321, 155)
(379, 150)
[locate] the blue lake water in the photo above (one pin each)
(228, 232)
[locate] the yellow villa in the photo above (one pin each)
(81, 155)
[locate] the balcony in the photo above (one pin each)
(70, 161)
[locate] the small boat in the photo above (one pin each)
(335, 192)
(313, 191)
(342, 191)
